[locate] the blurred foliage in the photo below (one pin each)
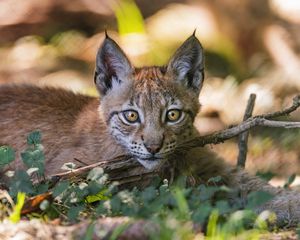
(16, 214)
(175, 208)
(129, 17)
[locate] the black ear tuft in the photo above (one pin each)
(194, 33)
(187, 64)
(112, 66)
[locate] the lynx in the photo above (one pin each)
(142, 112)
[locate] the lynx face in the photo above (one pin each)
(151, 110)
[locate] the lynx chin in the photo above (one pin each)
(146, 113)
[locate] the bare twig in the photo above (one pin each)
(120, 160)
(221, 136)
(284, 112)
(259, 120)
(243, 137)
(78, 160)
(118, 167)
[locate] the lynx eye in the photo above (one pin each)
(131, 116)
(173, 115)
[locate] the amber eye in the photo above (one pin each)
(173, 115)
(131, 116)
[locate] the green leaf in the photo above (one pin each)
(16, 214)
(115, 204)
(181, 182)
(80, 194)
(34, 159)
(267, 176)
(223, 207)
(42, 188)
(74, 212)
(94, 187)
(7, 155)
(290, 180)
(202, 212)
(60, 188)
(113, 187)
(149, 194)
(258, 198)
(129, 17)
(20, 183)
(97, 197)
(102, 209)
(212, 226)
(207, 193)
(34, 138)
(226, 189)
(215, 180)
(95, 174)
(181, 203)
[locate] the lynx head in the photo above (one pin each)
(150, 110)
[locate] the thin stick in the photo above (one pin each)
(284, 112)
(221, 136)
(120, 159)
(259, 120)
(243, 137)
(125, 162)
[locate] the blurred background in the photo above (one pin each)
(251, 46)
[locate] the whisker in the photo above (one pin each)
(76, 159)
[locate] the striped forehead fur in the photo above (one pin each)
(150, 86)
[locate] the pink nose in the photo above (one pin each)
(153, 148)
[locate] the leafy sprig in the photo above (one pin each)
(177, 208)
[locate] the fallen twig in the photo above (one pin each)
(118, 167)
(243, 137)
(78, 171)
(259, 120)
(284, 112)
(221, 136)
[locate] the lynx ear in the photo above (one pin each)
(112, 66)
(187, 64)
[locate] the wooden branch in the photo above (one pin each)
(259, 120)
(129, 171)
(117, 162)
(284, 112)
(221, 136)
(243, 137)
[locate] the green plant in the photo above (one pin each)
(16, 214)
(177, 208)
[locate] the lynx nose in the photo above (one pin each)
(153, 148)
(153, 142)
